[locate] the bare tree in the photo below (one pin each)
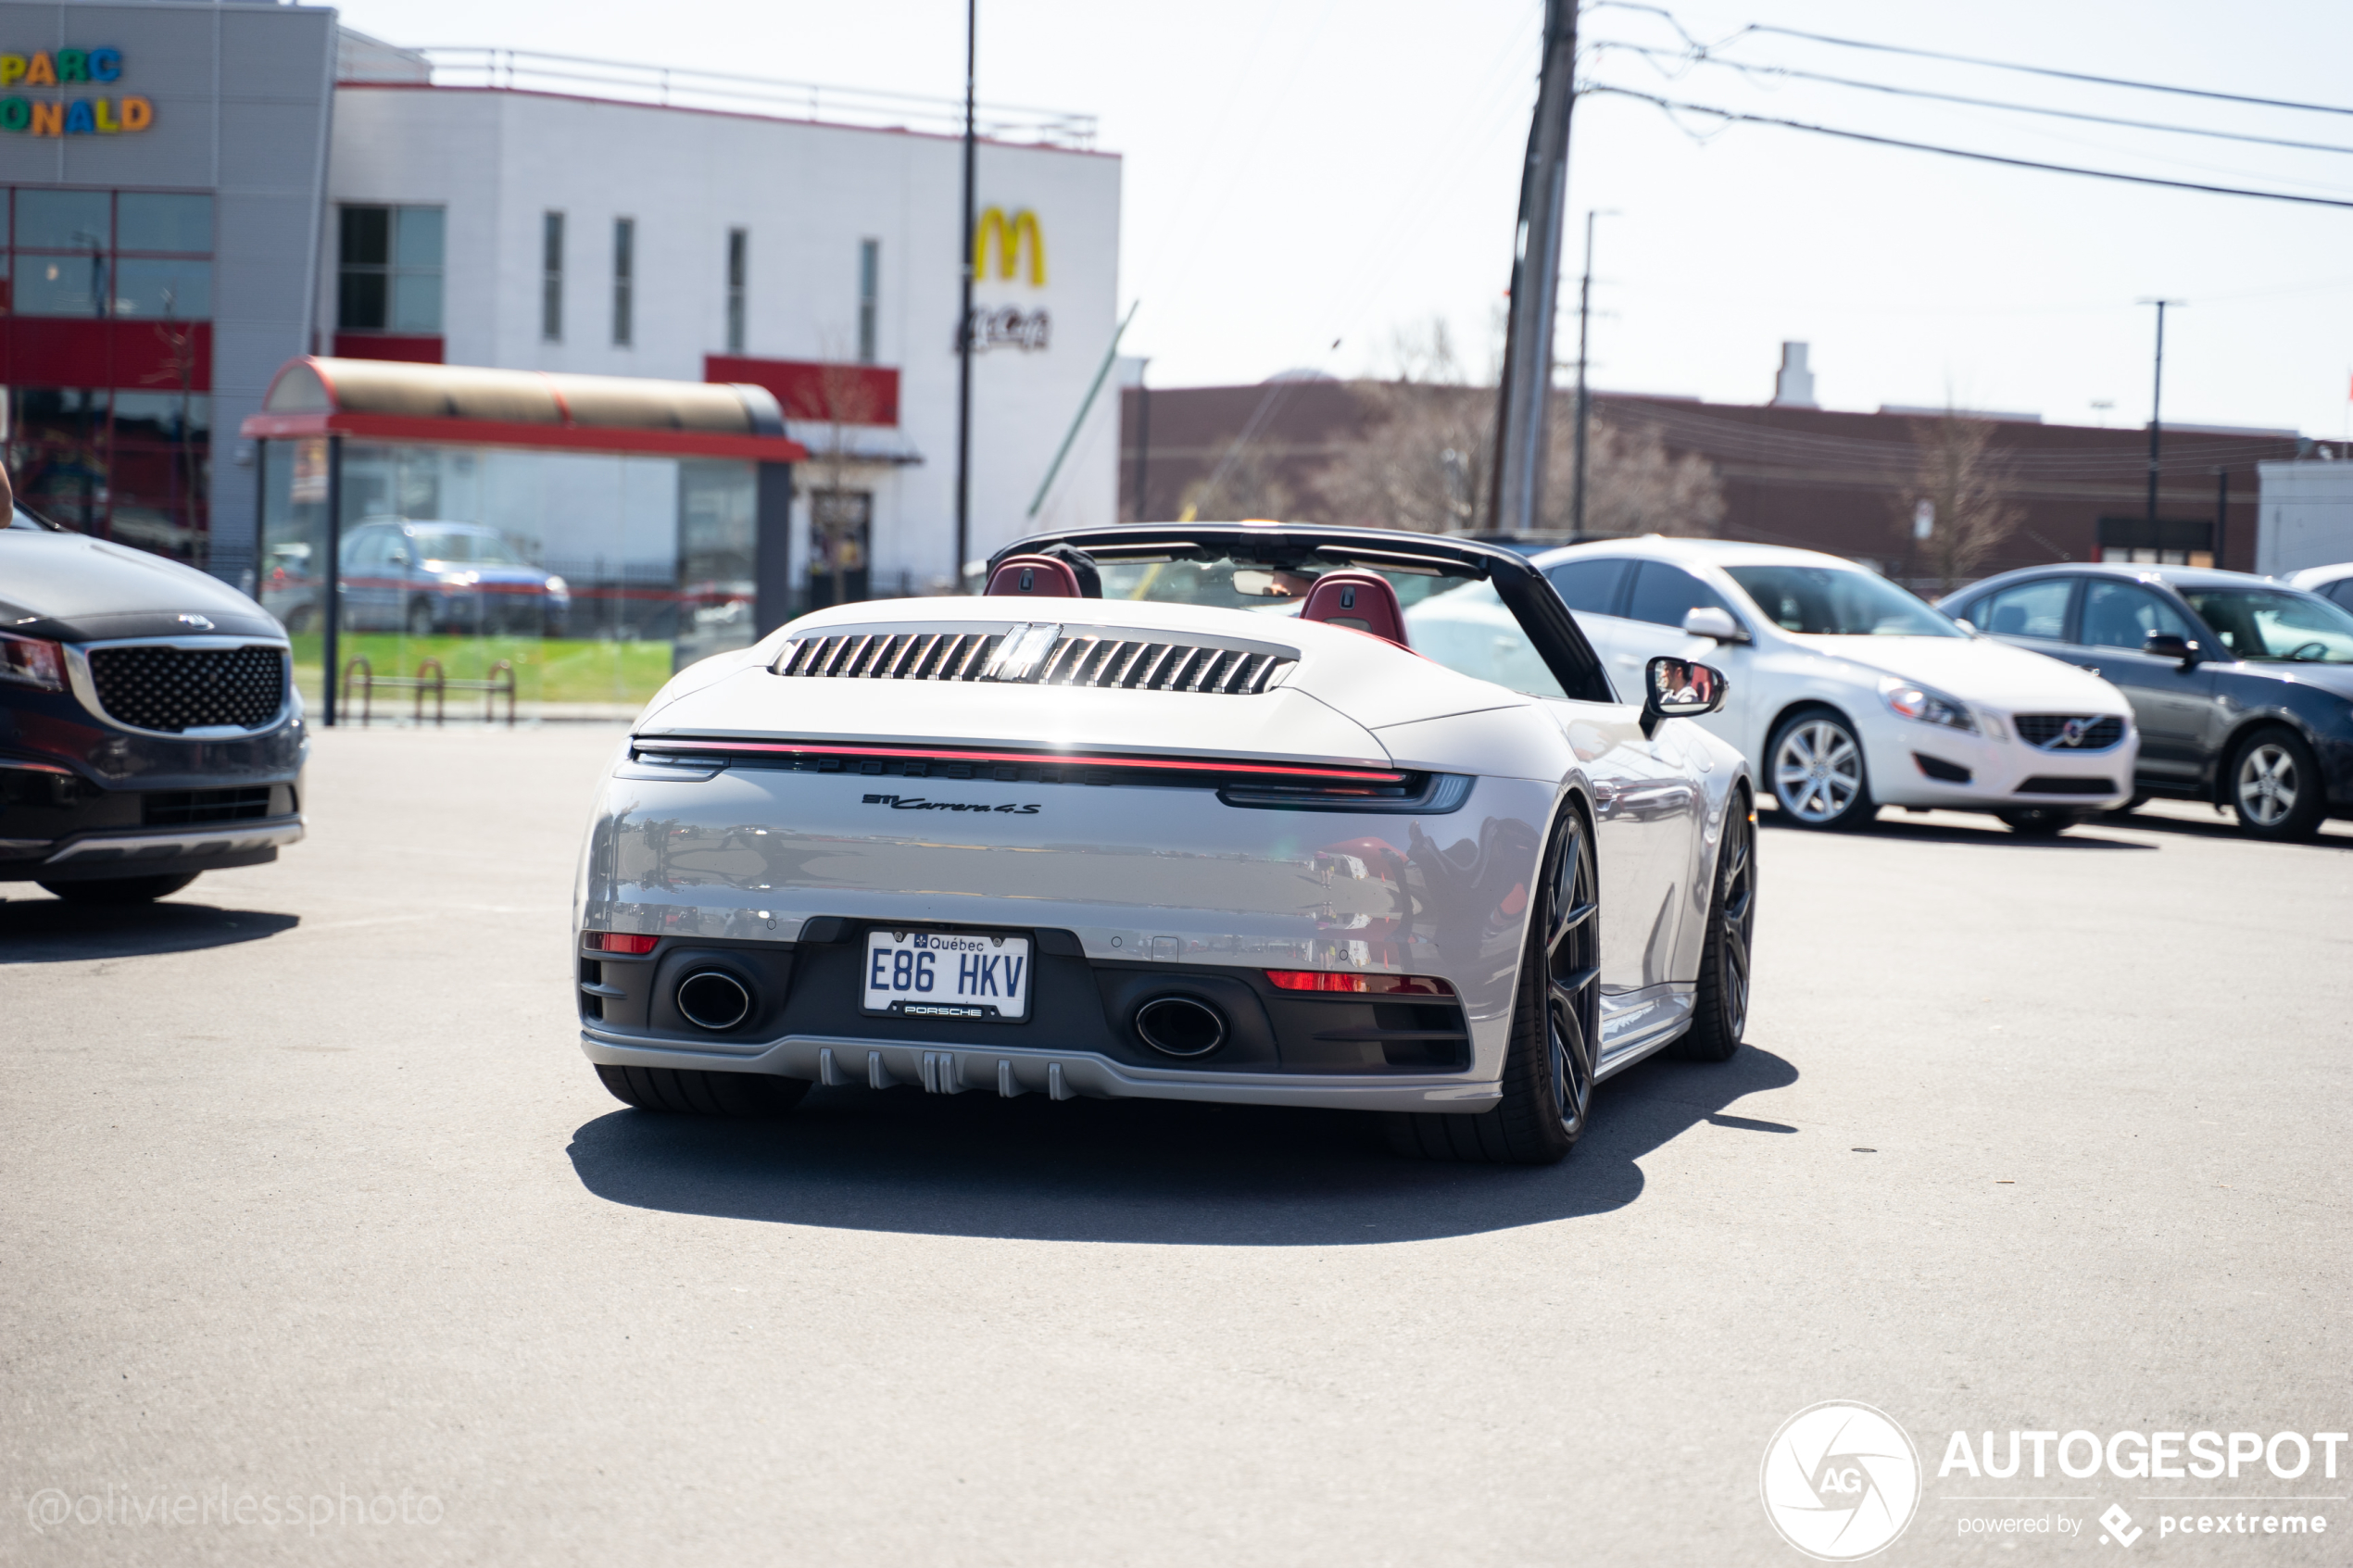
(1633, 484)
(1423, 453)
(847, 396)
(1959, 490)
(1245, 483)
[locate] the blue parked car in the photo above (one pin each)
(450, 577)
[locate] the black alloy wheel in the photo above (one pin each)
(1720, 1010)
(2274, 785)
(1549, 1066)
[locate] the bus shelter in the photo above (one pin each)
(563, 542)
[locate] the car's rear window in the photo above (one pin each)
(1832, 601)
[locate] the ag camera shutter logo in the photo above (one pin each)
(1840, 1481)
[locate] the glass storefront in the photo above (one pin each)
(585, 579)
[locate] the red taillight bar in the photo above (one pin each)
(1045, 760)
(1348, 980)
(619, 942)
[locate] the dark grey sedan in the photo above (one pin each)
(2242, 686)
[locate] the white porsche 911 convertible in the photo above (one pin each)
(1230, 811)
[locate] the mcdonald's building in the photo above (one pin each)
(199, 197)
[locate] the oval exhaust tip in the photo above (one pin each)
(711, 999)
(1180, 1026)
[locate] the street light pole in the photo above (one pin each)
(1584, 406)
(965, 320)
(2156, 399)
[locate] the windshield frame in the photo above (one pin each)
(1936, 622)
(2191, 594)
(1285, 546)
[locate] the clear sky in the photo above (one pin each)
(1301, 173)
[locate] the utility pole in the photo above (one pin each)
(964, 321)
(1584, 406)
(2156, 399)
(2221, 514)
(1522, 402)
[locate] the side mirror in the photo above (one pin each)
(2165, 645)
(1707, 620)
(1965, 624)
(1680, 688)
(396, 558)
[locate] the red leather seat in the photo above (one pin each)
(1361, 601)
(1036, 576)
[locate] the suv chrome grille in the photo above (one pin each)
(1040, 655)
(2064, 731)
(157, 686)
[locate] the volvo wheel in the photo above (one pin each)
(1816, 769)
(2274, 785)
(1555, 1038)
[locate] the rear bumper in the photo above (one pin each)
(1011, 1071)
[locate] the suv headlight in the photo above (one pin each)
(1910, 699)
(30, 661)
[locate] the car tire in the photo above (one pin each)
(1720, 1014)
(2040, 822)
(420, 618)
(121, 889)
(1548, 1067)
(1836, 797)
(689, 1092)
(2274, 785)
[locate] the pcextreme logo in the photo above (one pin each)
(1008, 234)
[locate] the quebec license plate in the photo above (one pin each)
(963, 974)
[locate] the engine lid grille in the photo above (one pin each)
(1043, 654)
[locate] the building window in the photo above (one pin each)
(869, 289)
(389, 274)
(551, 277)
(625, 278)
(738, 242)
(134, 253)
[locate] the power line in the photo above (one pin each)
(2050, 71)
(1966, 60)
(1703, 56)
(1673, 105)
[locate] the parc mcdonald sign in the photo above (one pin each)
(60, 116)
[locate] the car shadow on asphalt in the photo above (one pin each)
(1896, 824)
(45, 930)
(1139, 1171)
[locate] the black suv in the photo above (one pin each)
(149, 729)
(2242, 686)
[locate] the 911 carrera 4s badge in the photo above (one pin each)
(917, 803)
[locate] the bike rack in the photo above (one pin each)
(429, 677)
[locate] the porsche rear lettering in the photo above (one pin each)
(917, 803)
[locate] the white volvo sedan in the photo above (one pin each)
(1847, 693)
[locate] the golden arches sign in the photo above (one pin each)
(1009, 233)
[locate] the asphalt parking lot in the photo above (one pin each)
(306, 1193)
